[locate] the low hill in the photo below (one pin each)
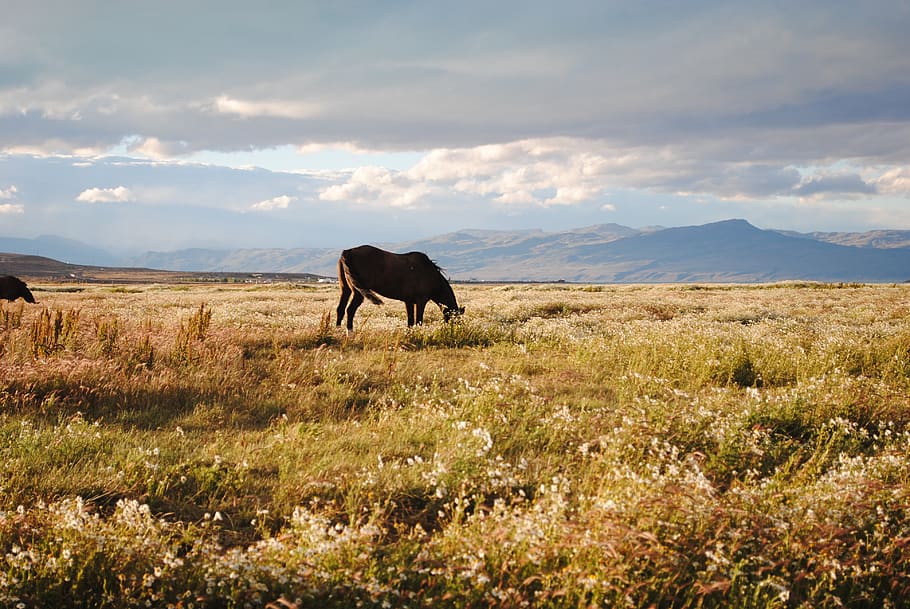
(39, 268)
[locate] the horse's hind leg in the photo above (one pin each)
(410, 307)
(342, 303)
(356, 301)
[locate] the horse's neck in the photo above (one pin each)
(445, 295)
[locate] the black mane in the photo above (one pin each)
(428, 260)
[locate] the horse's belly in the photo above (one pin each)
(405, 295)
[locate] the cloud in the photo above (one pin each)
(378, 185)
(11, 208)
(315, 75)
(733, 181)
(834, 185)
(573, 194)
(528, 172)
(8, 209)
(316, 147)
(566, 172)
(120, 194)
(547, 116)
(154, 148)
(895, 181)
(280, 202)
(269, 108)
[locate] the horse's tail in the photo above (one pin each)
(342, 279)
(353, 281)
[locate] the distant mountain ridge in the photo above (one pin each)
(296, 260)
(59, 248)
(726, 251)
(885, 239)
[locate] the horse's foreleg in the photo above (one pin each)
(420, 306)
(410, 308)
(356, 300)
(342, 303)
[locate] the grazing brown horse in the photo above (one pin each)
(12, 288)
(365, 271)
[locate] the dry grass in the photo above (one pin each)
(561, 446)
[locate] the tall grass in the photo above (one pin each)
(560, 446)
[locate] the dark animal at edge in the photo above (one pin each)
(369, 272)
(12, 288)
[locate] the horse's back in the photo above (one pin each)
(364, 259)
(409, 276)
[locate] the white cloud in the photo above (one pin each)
(317, 147)
(528, 172)
(51, 148)
(120, 194)
(380, 186)
(535, 172)
(271, 108)
(154, 148)
(563, 171)
(573, 194)
(11, 208)
(895, 181)
(8, 209)
(281, 202)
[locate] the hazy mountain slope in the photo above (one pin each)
(534, 255)
(732, 250)
(735, 250)
(884, 239)
(459, 252)
(728, 251)
(59, 248)
(299, 260)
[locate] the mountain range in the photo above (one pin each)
(727, 251)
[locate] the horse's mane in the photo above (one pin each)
(428, 260)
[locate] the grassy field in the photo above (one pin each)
(560, 446)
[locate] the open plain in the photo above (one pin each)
(559, 446)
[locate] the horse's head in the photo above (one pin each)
(450, 313)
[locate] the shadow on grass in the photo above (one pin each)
(139, 405)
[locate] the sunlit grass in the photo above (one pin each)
(564, 446)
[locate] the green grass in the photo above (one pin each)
(559, 446)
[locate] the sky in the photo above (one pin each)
(138, 126)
